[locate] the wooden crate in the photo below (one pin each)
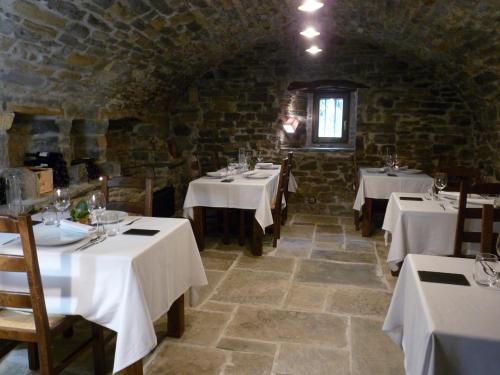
(45, 179)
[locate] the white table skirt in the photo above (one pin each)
(444, 329)
(243, 193)
(124, 283)
(381, 186)
(422, 227)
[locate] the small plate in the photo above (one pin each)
(268, 167)
(106, 219)
(52, 235)
(216, 174)
(258, 175)
(375, 170)
(411, 171)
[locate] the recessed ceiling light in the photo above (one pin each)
(310, 32)
(310, 6)
(314, 50)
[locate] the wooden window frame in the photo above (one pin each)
(345, 95)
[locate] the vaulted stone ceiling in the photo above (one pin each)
(138, 53)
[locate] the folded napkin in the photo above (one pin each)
(456, 195)
(76, 227)
(263, 165)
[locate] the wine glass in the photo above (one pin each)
(260, 156)
(97, 205)
(440, 181)
(62, 202)
(486, 269)
(231, 166)
(389, 161)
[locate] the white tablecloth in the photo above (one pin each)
(124, 283)
(422, 227)
(380, 185)
(243, 193)
(444, 329)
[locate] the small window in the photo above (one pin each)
(330, 117)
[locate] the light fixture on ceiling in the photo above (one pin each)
(310, 6)
(314, 50)
(291, 125)
(310, 32)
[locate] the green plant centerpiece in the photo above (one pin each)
(80, 212)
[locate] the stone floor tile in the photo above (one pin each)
(303, 359)
(314, 219)
(315, 271)
(253, 287)
(358, 301)
(303, 297)
(203, 327)
(249, 346)
(336, 243)
(249, 364)
(328, 233)
(218, 307)
(172, 359)
(297, 231)
(266, 263)
(213, 277)
(373, 352)
(288, 326)
(217, 260)
(359, 245)
(344, 256)
(294, 248)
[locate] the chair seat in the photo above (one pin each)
(19, 319)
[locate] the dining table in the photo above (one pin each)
(417, 223)
(252, 190)
(124, 283)
(443, 326)
(379, 183)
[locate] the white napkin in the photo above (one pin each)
(263, 165)
(456, 195)
(7, 237)
(76, 227)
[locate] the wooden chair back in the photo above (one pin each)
(457, 175)
(282, 183)
(488, 216)
(34, 299)
(194, 166)
(355, 174)
(290, 166)
(144, 184)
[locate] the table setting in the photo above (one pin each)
(450, 323)
(122, 272)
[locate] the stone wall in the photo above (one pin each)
(243, 102)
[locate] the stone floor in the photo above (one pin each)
(314, 305)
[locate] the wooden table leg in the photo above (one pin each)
(367, 218)
(225, 222)
(175, 318)
(241, 231)
(198, 226)
(134, 369)
(257, 238)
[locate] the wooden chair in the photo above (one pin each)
(37, 328)
(277, 208)
(488, 215)
(194, 166)
(143, 184)
(287, 193)
(457, 175)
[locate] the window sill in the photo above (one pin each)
(319, 148)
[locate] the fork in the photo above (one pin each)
(92, 242)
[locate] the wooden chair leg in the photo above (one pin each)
(356, 219)
(33, 359)
(367, 217)
(198, 229)
(276, 230)
(284, 215)
(98, 349)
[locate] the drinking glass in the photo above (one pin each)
(389, 161)
(111, 223)
(231, 166)
(49, 215)
(486, 269)
(62, 202)
(97, 205)
(440, 181)
(260, 156)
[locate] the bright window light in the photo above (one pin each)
(291, 125)
(310, 6)
(310, 32)
(314, 50)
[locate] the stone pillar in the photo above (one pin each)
(6, 120)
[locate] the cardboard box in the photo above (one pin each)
(45, 179)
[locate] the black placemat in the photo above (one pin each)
(418, 199)
(443, 278)
(141, 232)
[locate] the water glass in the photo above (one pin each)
(486, 270)
(111, 224)
(97, 205)
(440, 180)
(62, 201)
(49, 215)
(260, 156)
